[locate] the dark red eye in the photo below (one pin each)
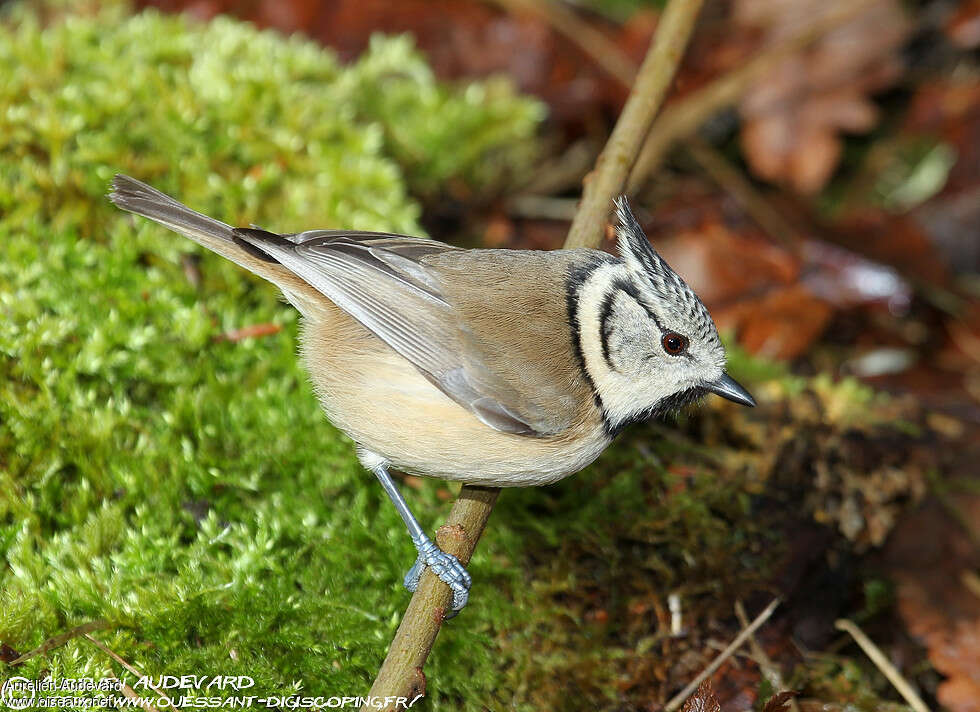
(674, 343)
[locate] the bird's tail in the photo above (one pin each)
(139, 198)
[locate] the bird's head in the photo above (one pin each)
(648, 342)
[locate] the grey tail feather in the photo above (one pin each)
(138, 197)
(240, 235)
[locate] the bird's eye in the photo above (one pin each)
(674, 343)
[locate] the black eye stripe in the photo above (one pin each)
(616, 287)
(626, 287)
(604, 325)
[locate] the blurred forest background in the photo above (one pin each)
(167, 480)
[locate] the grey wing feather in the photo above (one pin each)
(378, 279)
(375, 277)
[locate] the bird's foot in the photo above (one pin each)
(446, 567)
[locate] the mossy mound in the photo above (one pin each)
(249, 125)
(182, 487)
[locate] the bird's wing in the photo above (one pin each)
(380, 280)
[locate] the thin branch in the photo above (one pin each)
(59, 640)
(678, 699)
(616, 160)
(903, 686)
(685, 116)
(401, 673)
(129, 667)
(765, 663)
(603, 50)
(115, 656)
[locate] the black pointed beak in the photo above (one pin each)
(728, 387)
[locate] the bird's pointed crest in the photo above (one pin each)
(637, 252)
(650, 269)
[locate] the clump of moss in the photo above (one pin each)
(222, 114)
(460, 141)
(185, 488)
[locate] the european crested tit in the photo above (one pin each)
(503, 368)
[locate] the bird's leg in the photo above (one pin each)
(445, 566)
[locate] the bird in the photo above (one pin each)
(492, 367)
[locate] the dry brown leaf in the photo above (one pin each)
(938, 609)
(963, 28)
(7, 653)
(792, 117)
(703, 700)
(779, 702)
(781, 324)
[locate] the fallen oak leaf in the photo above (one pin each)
(963, 28)
(792, 117)
(937, 609)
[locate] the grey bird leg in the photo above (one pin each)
(445, 566)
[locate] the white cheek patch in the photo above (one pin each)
(627, 335)
(625, 393)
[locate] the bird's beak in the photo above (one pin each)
(728, 387)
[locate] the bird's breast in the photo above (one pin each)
(389, 408)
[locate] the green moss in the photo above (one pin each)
(187, 489)
(461, 141)
(222, 114)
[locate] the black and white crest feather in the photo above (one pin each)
(653, 272)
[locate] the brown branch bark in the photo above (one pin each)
(616, 160)
(401, 672)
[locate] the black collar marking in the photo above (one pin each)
(578, 276)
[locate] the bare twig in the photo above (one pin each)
(731, 179)
(678, 699)
(903, 686)
(59, 640)
(126, 689)
(765, 663)
(115, 656)
(616, 160)
(401, 673)
(685, 116)
(127, 665)
(603, 50)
